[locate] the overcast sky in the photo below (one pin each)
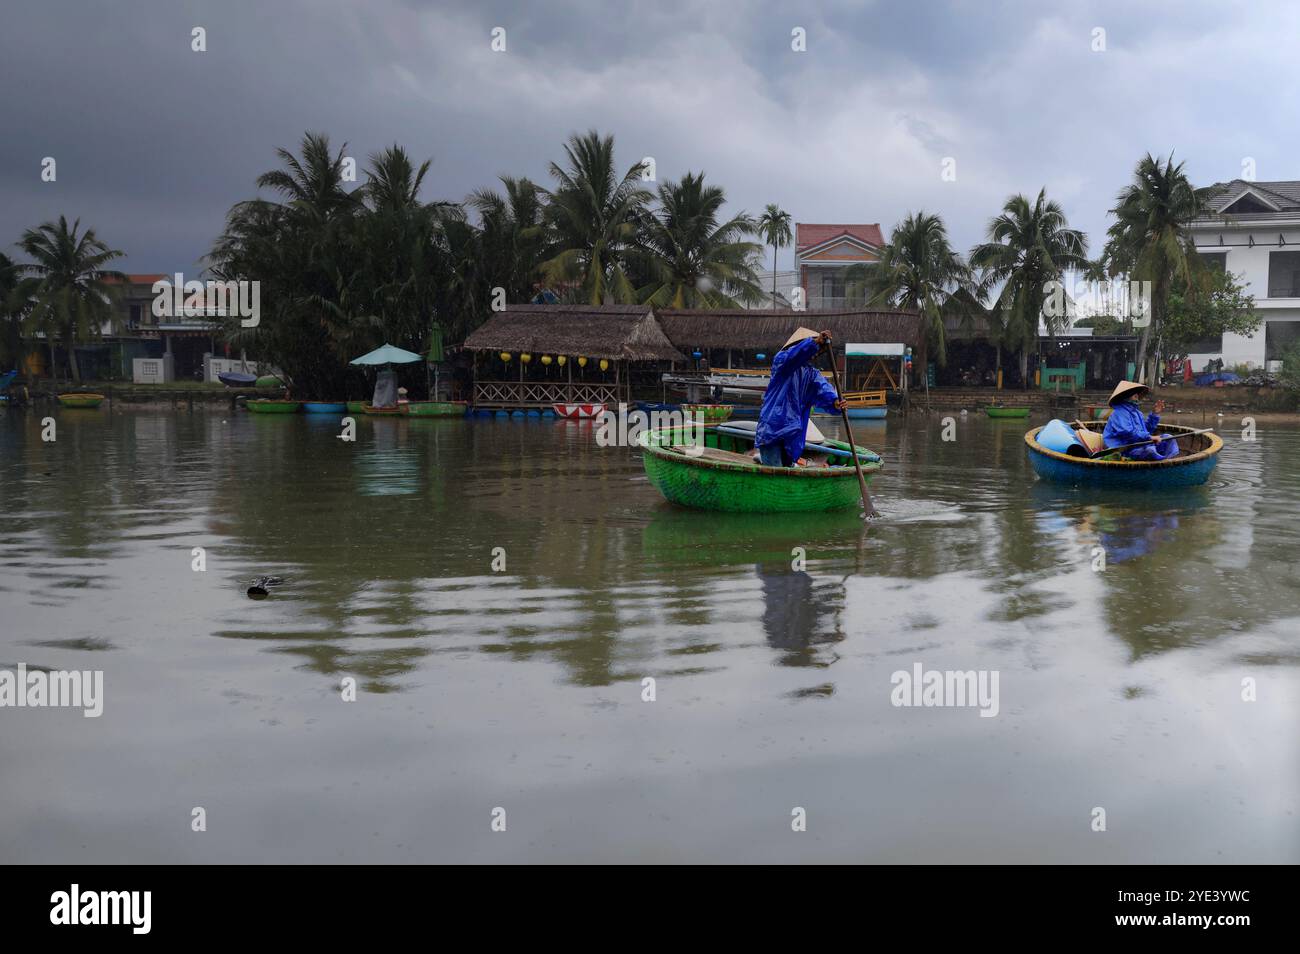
(154, 141)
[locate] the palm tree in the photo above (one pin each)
(595, 215)
(68, 288)
(511, 235)
(313, 185)
(692, 259)
(1149, 237)
(917, 270)
(11, 313)
(1028, 247)
(774, 226)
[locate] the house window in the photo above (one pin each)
(1217, 260)
(1206, 346)
(833, 286)
(1284, 275)
(135, 316)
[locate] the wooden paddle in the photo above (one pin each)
(1150, 440)
(869, 511)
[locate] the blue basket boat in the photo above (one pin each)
(324, 407)
(1198, 454)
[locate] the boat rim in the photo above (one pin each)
(666, 453)
(1216, 445)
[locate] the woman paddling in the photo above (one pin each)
(794, 389)
(1126, 424)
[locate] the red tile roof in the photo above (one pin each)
(808, 236)
(142, 279)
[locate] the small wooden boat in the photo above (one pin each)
(324, 407)
(393, 410)
(236, 379)
(709, 413)
(578, 412)
(81, 400)
(997, 410)
(1197, 455)
(722, 474)
(434, 409)
(272, 406)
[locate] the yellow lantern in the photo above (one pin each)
(604, 365)
(546, 359)
(561, 360)
(582, 362)
(505, 356)
(525, 357)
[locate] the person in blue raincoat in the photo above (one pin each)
(794, 389)
(1126, 424)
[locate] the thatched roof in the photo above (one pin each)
(617, 332)
(767, 329)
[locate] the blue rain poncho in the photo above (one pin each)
(1126, 425)
(795, 388)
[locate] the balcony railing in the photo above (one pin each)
(541, 394)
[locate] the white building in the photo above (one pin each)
(1253, 230)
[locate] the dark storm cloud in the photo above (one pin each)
(154, 142)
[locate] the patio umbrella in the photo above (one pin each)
(387, 354)
(386, 382)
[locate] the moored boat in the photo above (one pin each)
(268, 381)
(997, 410)
(709, 413)
(1197, 456)
(236, 379)
(393, 410)
(356, 407)
(272, 406)
(578, 412)
(435, 409)
(722, 474)
(324, 407)
(81, 400)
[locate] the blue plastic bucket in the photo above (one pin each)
(1058, 436)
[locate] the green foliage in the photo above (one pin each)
(1214, 304)
(773, 226)
(1029, 248)
(1149, 239)
(691, 259)
(1290, 374)
(67, 290)
(918, 270)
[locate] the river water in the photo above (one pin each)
(499, 591)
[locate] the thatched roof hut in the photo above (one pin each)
(616, 332)
(767, 330)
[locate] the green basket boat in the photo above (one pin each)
(270, 406)
(721, 476)
(709, 413)
(997, 411)
(356, 407)
(434, 409)
(81, 400)
(268, 381)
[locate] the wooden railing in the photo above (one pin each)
(541, 393)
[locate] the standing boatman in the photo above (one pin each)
(1127, 426)
(795, 388)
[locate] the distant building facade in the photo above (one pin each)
(823, 254)
(1253, 230)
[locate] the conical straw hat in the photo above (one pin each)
(1124, 390)
(798, 336)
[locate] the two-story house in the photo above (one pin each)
(824, 253)
(1253, 230)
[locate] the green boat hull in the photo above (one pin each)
(709, 413)
(81, 400)
(268, 381)
(1007, 411)
(435, 409)
(705, 484)
(273, 407)
(356, 407)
